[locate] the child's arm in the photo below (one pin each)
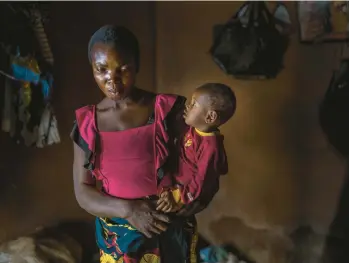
(169, 201)
(210, 187)
(211, 163)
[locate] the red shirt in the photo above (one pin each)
(202, 161)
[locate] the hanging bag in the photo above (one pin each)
(334, 109)
(249, 45)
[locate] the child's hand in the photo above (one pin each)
(166, 203)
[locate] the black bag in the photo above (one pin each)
(249, 45)
(334, 110)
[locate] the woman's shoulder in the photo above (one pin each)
(85, 112)
(170, 100)
(169, 106)
(164, 101)
(85, 118)
(83, 132)
(169, 96)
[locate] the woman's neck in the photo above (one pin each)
(136, 96)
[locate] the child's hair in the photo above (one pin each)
(221, 98)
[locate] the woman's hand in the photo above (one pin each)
(146, 219)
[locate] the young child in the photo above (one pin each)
(202, 157)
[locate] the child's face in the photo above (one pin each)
(197, 113)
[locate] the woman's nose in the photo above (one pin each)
(114, 75)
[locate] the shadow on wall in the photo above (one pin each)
(262, 245)
(269, 245)
(337, 241)
(334, 116)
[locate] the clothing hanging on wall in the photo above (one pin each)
(28, 114)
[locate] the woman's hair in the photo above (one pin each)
(118, 36)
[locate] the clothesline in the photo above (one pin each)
(5, 48)
(9, 76)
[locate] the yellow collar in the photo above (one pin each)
(207, 133)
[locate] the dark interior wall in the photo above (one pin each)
(36, 184)
(282, 171)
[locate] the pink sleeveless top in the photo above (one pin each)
(128, 162)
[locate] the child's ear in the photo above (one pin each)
(211, 117)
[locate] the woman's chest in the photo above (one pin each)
(135, 143)
(120, 120)
(126, 162)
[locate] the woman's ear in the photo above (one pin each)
(211, 117)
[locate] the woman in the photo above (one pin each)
(125, 142)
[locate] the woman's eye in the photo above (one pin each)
(125, 68)
(101, 69)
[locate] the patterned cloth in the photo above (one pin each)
(120, 242)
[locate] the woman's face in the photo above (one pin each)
(113, 70)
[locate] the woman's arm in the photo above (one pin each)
(139, 213)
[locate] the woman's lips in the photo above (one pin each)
(115, 89)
